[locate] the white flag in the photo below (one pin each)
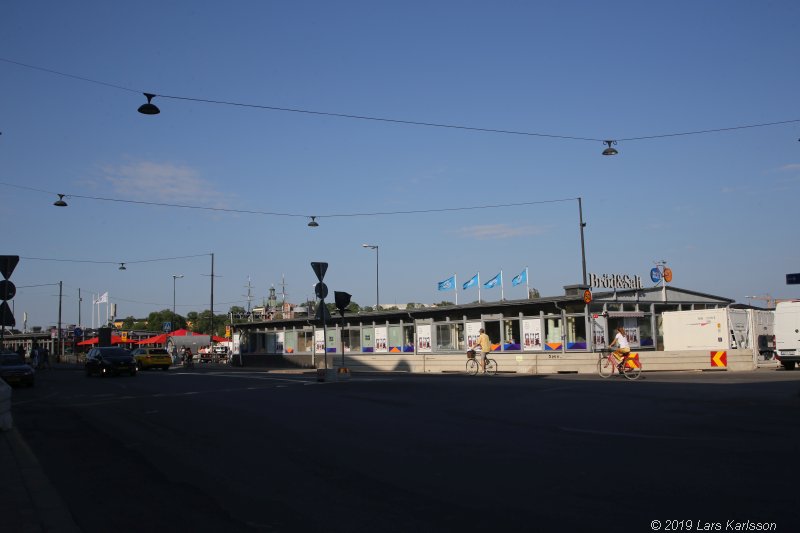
(103, 298)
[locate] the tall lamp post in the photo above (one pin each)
(377, 274)
(174, 277)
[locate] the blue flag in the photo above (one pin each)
(449, 284)
(494, 282)
(522, 277)
(471, 283)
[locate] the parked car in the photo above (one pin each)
(110, 360)
(14, 370)
(152, 358)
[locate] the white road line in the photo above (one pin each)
(626, 435)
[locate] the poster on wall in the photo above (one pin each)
(424, 338)
(319, 341)
(599, 328)
(531, 334)
(631, 325)
(473, 330)
(381, 342)
(280, 340)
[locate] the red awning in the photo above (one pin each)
(114, 340)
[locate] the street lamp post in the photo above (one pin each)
(174, 277)
(377, 274)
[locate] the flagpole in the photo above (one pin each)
(455, 286)
(527, 287)
(479, 286)
(502, 294)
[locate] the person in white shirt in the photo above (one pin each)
(623, 348)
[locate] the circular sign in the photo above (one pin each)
(587, 296)
(667, 275)
(655, 274)
(321, 290)
(77, 332)
(7, 290)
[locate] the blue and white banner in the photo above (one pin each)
(522, 277)
(471, 283)
(449, 284)
(495, 281)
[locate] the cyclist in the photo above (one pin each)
(189, 356)
(623, 348)
(485, 346)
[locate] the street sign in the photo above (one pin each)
(655, 274)
(319, 269)
(6, 316)
(793, 279)
(321, 290)
(7, 290)
(77, 332)
(322, 312)
(167, 327)
(7, 264)
(342, 301)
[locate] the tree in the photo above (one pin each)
(156, 320)
(411, 305)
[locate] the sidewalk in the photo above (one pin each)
(28, 501)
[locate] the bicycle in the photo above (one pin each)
(489, 367)
(630, 366)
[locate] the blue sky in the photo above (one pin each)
(720, 208)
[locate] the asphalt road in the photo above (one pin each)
(223, 449)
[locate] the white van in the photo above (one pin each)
(787, 333)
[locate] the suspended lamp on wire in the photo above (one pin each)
(609, 150)
(313, 223)
(60, 202)
(122, 266)
(149, 108)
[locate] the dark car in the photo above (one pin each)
(14, 370)
(110, 360)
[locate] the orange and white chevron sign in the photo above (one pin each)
(719, 359)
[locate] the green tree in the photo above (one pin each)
(128, 323)
(156, 320)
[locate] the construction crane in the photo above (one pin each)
(770, 301)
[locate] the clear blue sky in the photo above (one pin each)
(720, 208)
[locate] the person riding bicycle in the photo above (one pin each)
(188, 355)
(485, 346)
(623, 350)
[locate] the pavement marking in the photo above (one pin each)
(627, 435)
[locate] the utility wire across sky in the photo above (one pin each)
(151, 95)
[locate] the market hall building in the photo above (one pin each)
(533, 336)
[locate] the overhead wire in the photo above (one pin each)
(396, 120)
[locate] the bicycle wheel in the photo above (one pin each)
(472, 367)
(605, 367)
(491, 367)
(634, 372)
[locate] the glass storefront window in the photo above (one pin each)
(646, 332)
(290, 342)
(447, 337)
(576, 333)
(552, 333)
(511, 335)
(368, 339)
(305, 341)
(352, 339)
(408, 338)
